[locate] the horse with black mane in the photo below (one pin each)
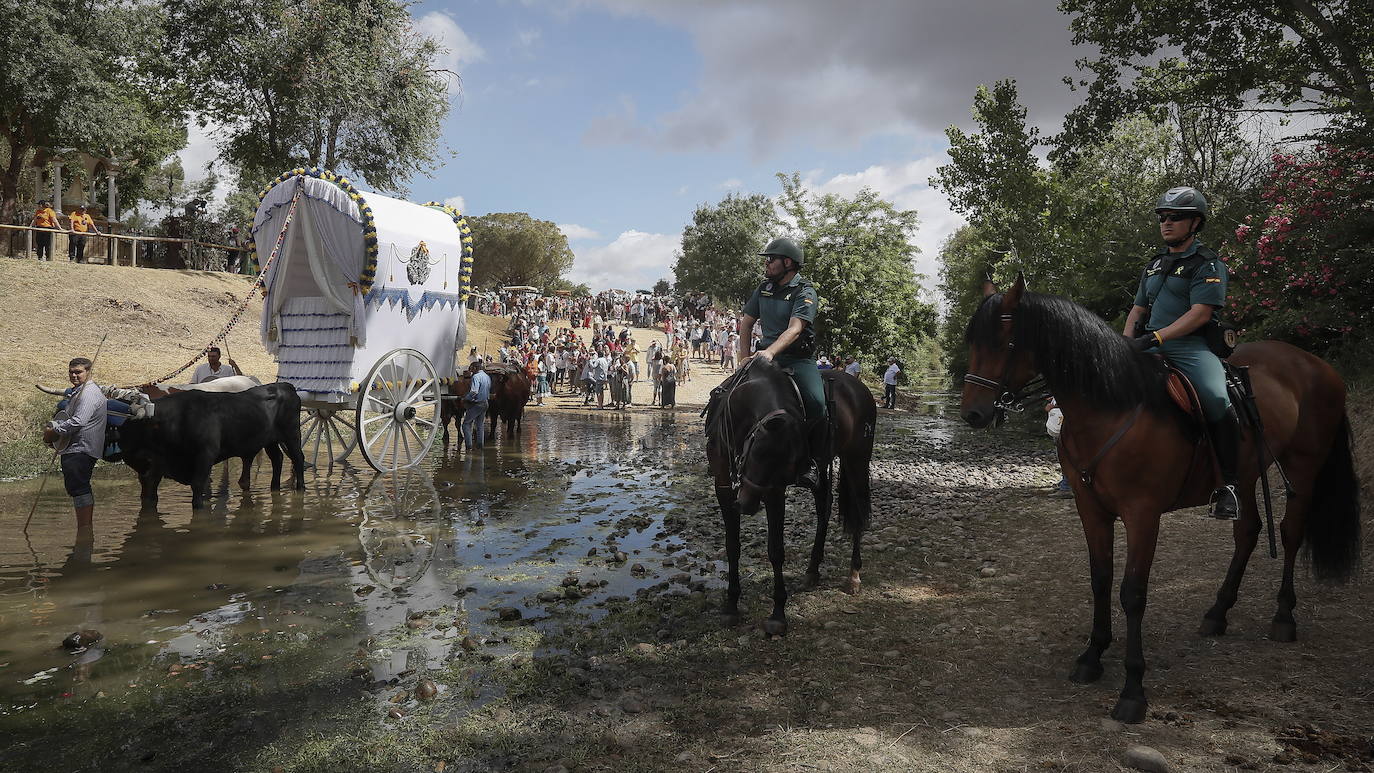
(756, 444)
(1130, 453)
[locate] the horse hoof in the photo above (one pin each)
(851, 586)
(1283, 631)
(1130, 710)
(1211, 627)
(1086, 673)
(773, 627)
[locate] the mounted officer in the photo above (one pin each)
(1181, 291)
(784, 305)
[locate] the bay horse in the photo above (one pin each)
(1129, 453)
(756, 445)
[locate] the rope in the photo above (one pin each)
(243, 306)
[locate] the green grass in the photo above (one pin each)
(24, 455)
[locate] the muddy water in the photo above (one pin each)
(470, 535)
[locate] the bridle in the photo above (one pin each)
(737, 462)
(1007, 399)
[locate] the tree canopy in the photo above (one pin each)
(513, 248)
(720, 247)
(344, 84)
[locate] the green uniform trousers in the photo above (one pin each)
(1191, 355)
(808, 379)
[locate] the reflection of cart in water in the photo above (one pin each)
(364, 309)
(400, 528)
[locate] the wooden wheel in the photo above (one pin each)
(398, 410)
(324, 427)
(400, 528)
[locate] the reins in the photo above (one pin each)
(727, 434)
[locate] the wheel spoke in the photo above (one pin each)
(378, 417)
(425, 422)
(387, 406)
(400, 430)
(424, 386)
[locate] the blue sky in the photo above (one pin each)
(616, 118)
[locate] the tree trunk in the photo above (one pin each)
(9, 182)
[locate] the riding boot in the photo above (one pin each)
(817, 431)
(1226, 443)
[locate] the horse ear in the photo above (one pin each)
(1012, 297)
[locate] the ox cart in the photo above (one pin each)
(364, 308)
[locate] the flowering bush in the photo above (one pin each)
(1304, 266)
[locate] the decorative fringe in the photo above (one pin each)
(315, 354)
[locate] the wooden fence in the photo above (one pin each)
(117, 249)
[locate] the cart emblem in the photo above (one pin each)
(417, 270)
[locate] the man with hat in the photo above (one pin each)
(1181, 291)
(81, 225)
(784, 305)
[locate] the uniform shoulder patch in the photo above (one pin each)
(1214, 280)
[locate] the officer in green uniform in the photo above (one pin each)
(784, 305)
(1181, 291)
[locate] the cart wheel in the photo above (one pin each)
(398, 410)
(325, 429)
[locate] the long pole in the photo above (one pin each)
(43, 481)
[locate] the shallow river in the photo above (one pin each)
(481, 534)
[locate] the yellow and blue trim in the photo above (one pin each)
(370, 244)
(465, 237)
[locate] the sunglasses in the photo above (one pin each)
(770, 258)
(1175, 217)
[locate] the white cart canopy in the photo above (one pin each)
(358, 275)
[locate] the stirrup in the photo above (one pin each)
(809, 478)
(1226, 503)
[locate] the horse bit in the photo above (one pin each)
(1007, 400)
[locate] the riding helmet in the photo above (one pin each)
(783, 247)
(1183, 199)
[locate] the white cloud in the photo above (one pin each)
(732, 183)
(906, 186)
(634, 261)
(528, 38)
(201, 152)
(531, 83)
(457, 49)
(574, 231)
(458, 203)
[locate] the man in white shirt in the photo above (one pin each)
(212, 369)
(890, 384)
(852, 368)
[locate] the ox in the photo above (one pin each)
(190, 432)
(510, 390)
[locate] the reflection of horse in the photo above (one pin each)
(1143, 460)
(756, 445)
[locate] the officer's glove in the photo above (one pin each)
(1144, 342)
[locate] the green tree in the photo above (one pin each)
(661, 287)
(512, 248)
(720, 247)
(859, 255)
(90, 86)
(1284, 56)
(343, 84)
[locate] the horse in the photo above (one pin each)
(1130, 453)
(756, 445)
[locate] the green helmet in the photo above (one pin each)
(785, 248)
(1183, 199)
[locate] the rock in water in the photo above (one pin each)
(508, 613)
(1146, 758)
(83, 638)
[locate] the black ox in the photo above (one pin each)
(190, 432)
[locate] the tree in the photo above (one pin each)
(859, 255)
(720, 247)
(87, 86)
(343, 84)
(661, 287)
(1281, 56)
(512, 248)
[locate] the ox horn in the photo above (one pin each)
(51, 391)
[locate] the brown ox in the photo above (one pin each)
(510, 390)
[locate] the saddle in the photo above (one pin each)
(1185, 396)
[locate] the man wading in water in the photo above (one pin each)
(784, 305)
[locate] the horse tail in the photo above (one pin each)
(855, 506)
(1333, 524)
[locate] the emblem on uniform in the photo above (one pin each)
(1214, 280)
(1179, 270)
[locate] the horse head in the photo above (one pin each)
(769, 458)
(996, 370)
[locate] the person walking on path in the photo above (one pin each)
(667, 385)
(81, 225)
(84, 428)
(476, 400)
(890, 384)
(784, 305)
(44, 216)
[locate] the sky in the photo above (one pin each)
(616, 119)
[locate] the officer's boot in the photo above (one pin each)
(817, 431)
(1226, 442)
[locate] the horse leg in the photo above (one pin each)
(1245, 532)
(1098, 525)
(824, 494)
(1142, 533)
(776, 624)
(729, 510)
